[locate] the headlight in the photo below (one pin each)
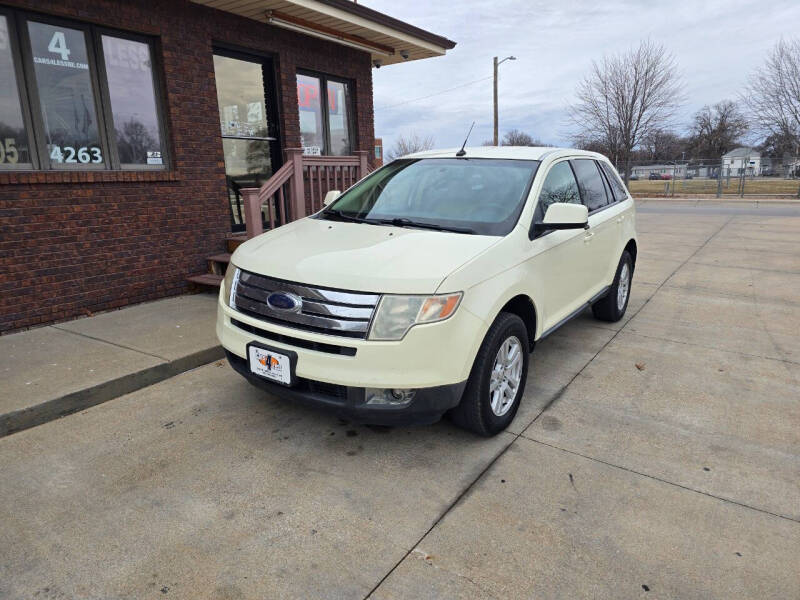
(230, 283)
(397, 314)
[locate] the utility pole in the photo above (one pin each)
(497, 64)
(495, 101)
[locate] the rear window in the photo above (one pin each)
(590, 182)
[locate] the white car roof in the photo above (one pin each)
(508, 152)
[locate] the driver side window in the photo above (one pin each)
(559, 186)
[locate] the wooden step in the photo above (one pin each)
(223, 257)
(207, 279)
(234, 241)
(218, 263)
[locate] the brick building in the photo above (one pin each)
(128, 129)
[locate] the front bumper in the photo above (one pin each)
(428, 405)
(430, 355)
(333, 371)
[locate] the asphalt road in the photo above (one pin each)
(655, 457)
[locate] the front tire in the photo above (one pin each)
(613, 305)
(497, 380)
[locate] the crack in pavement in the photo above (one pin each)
(656, 478)
(97, 339)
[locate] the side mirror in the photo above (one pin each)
(331, 196)
(563, 215)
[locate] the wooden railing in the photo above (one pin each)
(298, 188)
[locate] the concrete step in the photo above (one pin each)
(207, 279)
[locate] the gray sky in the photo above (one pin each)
(716, 45)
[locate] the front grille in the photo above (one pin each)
(294, 341)
(323, 310)
(332, 391)
(326, 389)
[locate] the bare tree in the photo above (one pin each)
(626, 97)
(662, 145)
(515, 137)
(408, 144)
(717, 129)
(773, 93)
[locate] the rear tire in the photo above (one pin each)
(613, 305)
(497, 380)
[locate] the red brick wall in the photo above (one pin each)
(75, 243)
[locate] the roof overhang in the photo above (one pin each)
(386, 39)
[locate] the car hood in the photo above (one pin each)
(360, 257)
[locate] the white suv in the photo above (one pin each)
(422, 289)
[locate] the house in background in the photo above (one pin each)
(741, 161)
(136, 136)
(643, 171)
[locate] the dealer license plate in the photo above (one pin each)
(270, 364)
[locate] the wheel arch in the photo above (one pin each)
(631, 248)
(522, 305)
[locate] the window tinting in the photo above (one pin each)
(129, 71)
(616, 185)
(14, 152)
(558, 186)
(338, 118)
(590, 182)
(609, 193)
(309, 103)
(66, 93)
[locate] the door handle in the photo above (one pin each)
(620, 219)
(588, 237)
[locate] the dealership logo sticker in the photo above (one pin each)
(58, 45)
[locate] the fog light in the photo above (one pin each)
(389, 397)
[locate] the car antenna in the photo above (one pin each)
(463, 152)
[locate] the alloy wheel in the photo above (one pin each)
(506, 376)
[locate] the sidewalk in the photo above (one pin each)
(53, 371)
(725, 198)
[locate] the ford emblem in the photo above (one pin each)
(284, 301)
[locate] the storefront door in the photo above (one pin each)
(248, 119)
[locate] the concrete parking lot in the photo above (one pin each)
(655, 457)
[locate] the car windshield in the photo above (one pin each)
(466, 195)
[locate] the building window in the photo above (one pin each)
(132, 96)
(88, 96)
(324, 107)
(14, 151)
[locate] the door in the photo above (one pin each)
(560, 264)
(248, 122)
(601, 237)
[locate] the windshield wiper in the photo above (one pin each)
(403, 222)
(336, 215)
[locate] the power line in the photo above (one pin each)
(434, 94)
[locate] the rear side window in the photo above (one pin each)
(590, 182)
(609, 193)
(616, 185)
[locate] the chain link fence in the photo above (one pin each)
(743, 176)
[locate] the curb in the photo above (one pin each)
(55, 408)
